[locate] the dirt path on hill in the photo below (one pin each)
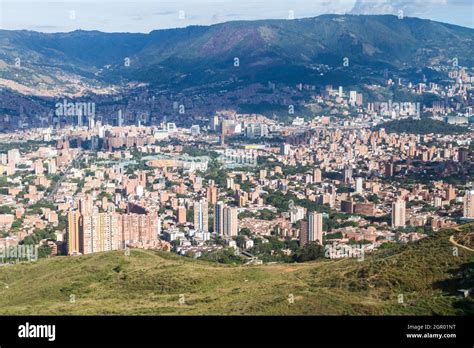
(451, 239)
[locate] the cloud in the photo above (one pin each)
(164, 13)
(409, 7)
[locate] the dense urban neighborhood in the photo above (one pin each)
(243, 188)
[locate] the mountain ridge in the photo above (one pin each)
(197, 55)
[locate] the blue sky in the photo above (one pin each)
(146, 15)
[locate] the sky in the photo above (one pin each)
(146, 15)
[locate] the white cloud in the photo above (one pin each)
(409, 7)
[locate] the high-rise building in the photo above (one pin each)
(469, 204)
(79, 118)
(389, 169)
(86, 205)
(352, 97)
(214, 122)
(119, 118)
(74, 227)
(38, 165)
(315, 227)
(101, 232)
(285, 149)
(450, 193)
(212, 193)
(230, 183)
(317, 177)
(223, 131)
(140, 228)
(463, 155)
(91, 234)
(13, 156)
(241, 198)
(201, 221)
(52, 166)
(296, 214)
(181, 215)
(219, 218)
(398, 213)
(347, 174)
(359, 187)
(110, 229)
(230, 222)
(11, 169)
(303, 233)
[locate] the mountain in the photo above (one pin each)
(427, 273)
(276, 50)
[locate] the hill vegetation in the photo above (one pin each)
(427, 273)
(423, 126)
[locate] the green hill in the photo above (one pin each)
(423, 126)
(152, 283)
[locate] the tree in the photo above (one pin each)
(44, 251)
(226, 256)
(240, 240)
(4, 209)
(17, 224)
(105, 194)
(311, 251)
(267, 214)
(245, 232)
(291, 244)
(373, 198)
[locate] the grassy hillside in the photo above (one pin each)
(151, 283)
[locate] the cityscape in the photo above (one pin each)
(238, 182)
